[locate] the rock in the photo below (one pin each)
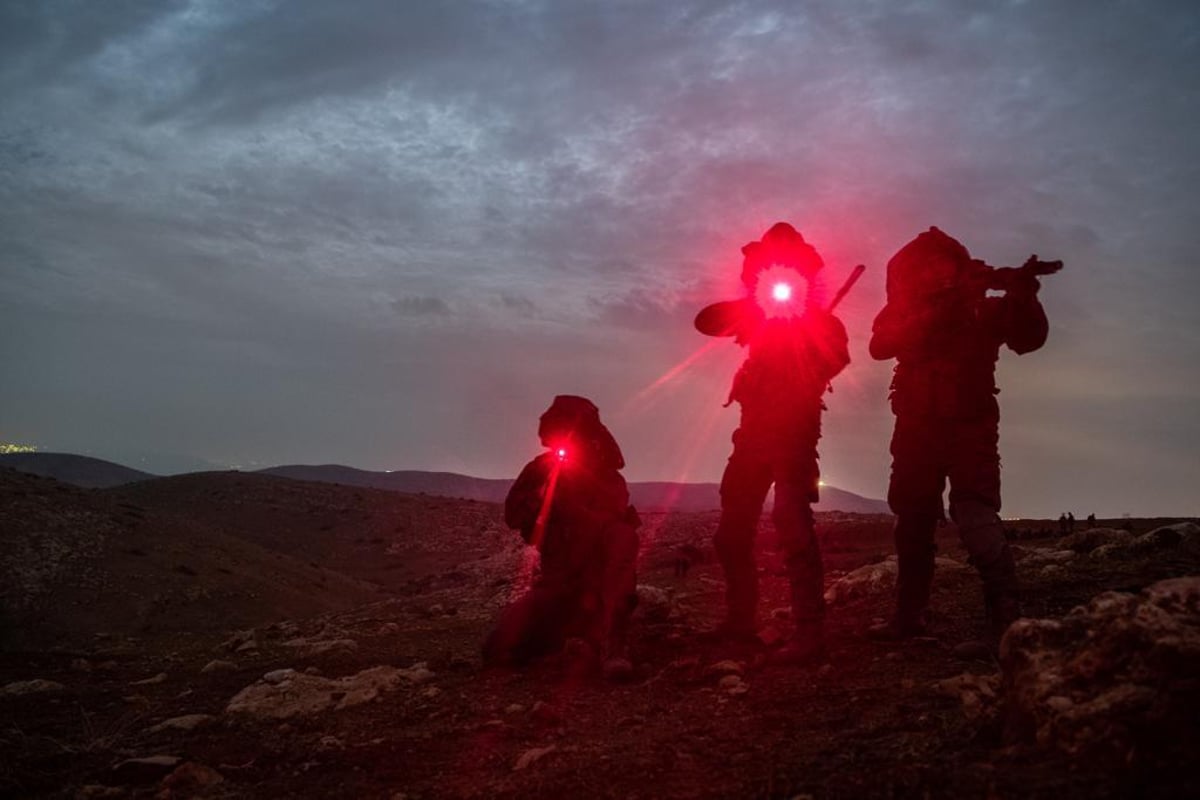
(770, 636)
(294, 694)
(247, 647)
(35, 686)
(733, 684)
(617, 669)
(1037, 556)
(95, 791)
(308, 648)
(727, 667)
(532, 756)
(973, 650)
(189, 778)
(1092, 538)
(389, 629)
(781, 613)
(148, 769)
(514, 708)
(417, 673)
(236, 641)
(431, 692)
(976, 693)
(1111, 679)
(545, 713)
(877, 578)
(152, 681)
(217, 665)
(277, 676)
(187, 722)
(330, 743)
(654, 604)
(1184, 535)
(871, 579)
(81, 665)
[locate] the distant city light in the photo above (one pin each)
(10, 447)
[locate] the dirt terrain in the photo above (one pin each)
(229, 635)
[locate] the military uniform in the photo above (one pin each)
(575, 510)
(779, 388)
(946, 341)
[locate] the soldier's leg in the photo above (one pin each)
(529, 627)
(795, 489)
(915, 497)
(618, 595)
(975, 508)
(744, 488)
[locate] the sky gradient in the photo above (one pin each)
(386, 234)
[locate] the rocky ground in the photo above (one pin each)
(323, 641)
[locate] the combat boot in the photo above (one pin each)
(914, 579)
(806, 647)
(1001, 593)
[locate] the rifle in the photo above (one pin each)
(1005, 278)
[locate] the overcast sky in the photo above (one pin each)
(386, 233)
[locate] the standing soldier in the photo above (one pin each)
(796, 348)
(945, 333)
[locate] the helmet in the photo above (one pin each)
(576, 419)
(781, 245)
(931, 262)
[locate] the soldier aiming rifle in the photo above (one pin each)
(945, 332)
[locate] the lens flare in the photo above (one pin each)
(781, 292)
(561, 453)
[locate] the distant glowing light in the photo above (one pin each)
(821, 483)
(12, 447)
(782, 292)
(561, 453)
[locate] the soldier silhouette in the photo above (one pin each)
(796, 347)
(573, 505)
(945, 333)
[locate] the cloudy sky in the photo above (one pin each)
(386, 233)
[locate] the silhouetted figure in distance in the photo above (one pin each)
(1070, 522)
(572, 503)
(795, 349)
(945, 333)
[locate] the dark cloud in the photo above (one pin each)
(421, 306)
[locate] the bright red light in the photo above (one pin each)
(782, 292)
(561, 452)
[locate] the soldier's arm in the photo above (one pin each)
(524, 500)
(1025, 326)
(887, 333)
(835, 345)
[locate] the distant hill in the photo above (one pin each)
(647, 496)
(84, 471)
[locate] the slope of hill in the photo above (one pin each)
(75, 562)
(647, 496)
(85, 471)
